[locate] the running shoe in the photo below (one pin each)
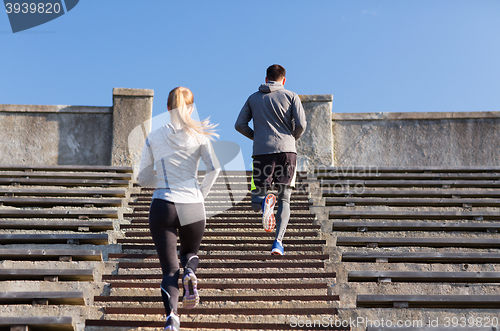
(268, 220)
(277, 248)
(173, 323)
(191, 297)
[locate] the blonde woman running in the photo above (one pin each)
(178, 207)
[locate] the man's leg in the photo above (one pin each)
(267, 203)
(258, 196)
(283, 213)
(262, 178)
(262, 172)
(284, 180)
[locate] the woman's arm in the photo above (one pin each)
(212, 165)
(147, 175)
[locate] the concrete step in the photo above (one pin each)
(50, 255)
(245, 257)
(423, 277)
(62, 192)
(362, 226)
(359, 184)
(70, 182)
(79, 225)
(223, 226)
(52, 275)
(239, 248)
(421, 242)
(415, 169)
(415, 215)
(42, 298)
(422, 257)
(69, 168)
(228, 216)
(416, 192)
(65, 175)
(204, 325)
(428, 301)
(52, 202)
(37, 323)
(230, 274)
(56, 238)
(234, 292)
(240, 234)
(423, 319)
(409, 176)
(58, 213)
(221, 298)
(223, 311)
(413, 202)
(225, 286)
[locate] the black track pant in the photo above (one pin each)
(164, 225)
(278, 170)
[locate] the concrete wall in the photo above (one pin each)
(77, 135)
(416, 139)
(73, 135)
(55, 135)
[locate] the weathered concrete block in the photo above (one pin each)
(314, 148)
(55, 135)
(131, 108)
(416, 139)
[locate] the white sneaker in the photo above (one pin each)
(173, 323)
(268, 220)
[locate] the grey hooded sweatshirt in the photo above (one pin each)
(278, 119)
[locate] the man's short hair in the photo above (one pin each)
(275, 73)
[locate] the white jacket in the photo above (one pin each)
(176, 154)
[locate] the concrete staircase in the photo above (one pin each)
(242, 286)
(57, 226)
(76, 254)
(412, 247)
(366, 249)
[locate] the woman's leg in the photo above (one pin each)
(162, 223)
(190, 238)
(190, 244)
(192, 218)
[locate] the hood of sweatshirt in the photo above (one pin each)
(178, 137)
(270, 87)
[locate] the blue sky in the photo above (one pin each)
(373, 56)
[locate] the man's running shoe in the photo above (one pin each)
(191, 296)
(277, 248)
(173, 323)
(268, 220)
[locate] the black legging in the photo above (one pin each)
(164, 223)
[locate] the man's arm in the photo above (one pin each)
(299, 116)
(242, 121)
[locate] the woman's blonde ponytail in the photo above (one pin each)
(180, 102)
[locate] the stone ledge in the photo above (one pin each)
(133, 92)
(386, 116)
(55, 109)
(316, 98)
